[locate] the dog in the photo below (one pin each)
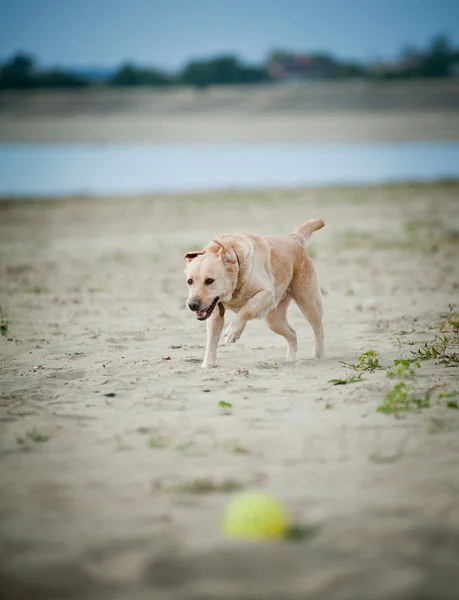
(256, 277)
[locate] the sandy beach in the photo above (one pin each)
(117, 459)
(340, 112)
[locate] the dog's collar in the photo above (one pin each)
(236, 289)
(237, 258)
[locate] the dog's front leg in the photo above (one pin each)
(258, 304)
(214, 330)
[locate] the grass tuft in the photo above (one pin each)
(156, 443)
(32, 435)
(225, 407)
(36, 289)
(350, 379)
(208, 486)
(368, 361)
(400, 398)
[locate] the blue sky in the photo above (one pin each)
(167, 33)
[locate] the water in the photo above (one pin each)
(59, 169)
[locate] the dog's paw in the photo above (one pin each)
(233, 332)
(208, 364)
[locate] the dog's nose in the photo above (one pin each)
(193, 304)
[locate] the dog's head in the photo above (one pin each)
(210, 276)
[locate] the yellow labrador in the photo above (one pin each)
(255, 277)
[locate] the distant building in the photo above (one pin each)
(292, 67)
(406, 65)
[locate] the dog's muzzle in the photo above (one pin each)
(202, 315)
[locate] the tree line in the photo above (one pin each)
(439, 59)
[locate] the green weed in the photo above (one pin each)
(444, 346)
(236, 447)
(185, 446)
(403, 369)
(450, 398)
(449, 324)
(368, 361)
(156, 443)
(350, 379)
(36, 289)
(225, 407)
(441, 347)
(400, 343)
(209, 486)
(32, 435)
(400, 398)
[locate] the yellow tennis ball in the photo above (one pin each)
(255, 516)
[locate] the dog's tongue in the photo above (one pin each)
(201, 313)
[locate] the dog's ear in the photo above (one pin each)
(190, 255)
(223, 253)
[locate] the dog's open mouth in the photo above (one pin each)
(202, 315)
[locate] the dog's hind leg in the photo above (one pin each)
(276, 320)
(306, 293)
(214, 330)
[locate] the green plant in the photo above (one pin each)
(440, 347)
(445, 343)
(406, 362)
(350, 379)
(403, 369)
(225, 407)
(185, 446)
(207, 486)
(450, 323)
(400, 398)
(156, 443)
(399, 345)
(236, 447)
(32, 435)
(368, 361)
(223, 404)
(453, 322)
(36, 289)
(451, 399)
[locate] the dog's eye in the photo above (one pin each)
(209, 281)
(190, 282)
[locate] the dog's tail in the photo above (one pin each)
(307, 229)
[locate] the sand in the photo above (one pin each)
(116, 458)
(339, 112)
